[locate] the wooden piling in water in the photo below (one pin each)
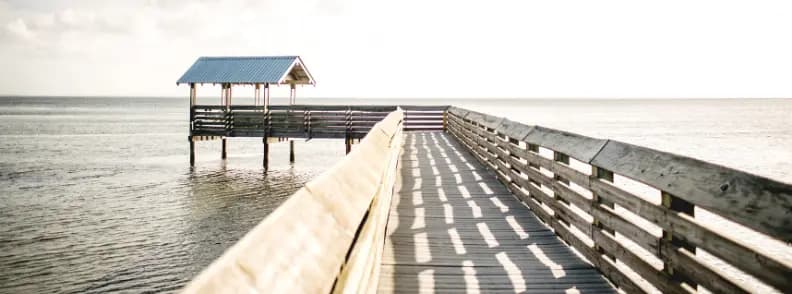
(291, 151)
(192, 120)
(223, 152)
(266, 154)
(192, 151)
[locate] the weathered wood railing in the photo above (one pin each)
(328, 236)
(306, 121)
(552, 186)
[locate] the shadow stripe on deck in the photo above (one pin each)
(454, 228)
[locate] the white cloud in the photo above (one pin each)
(411, 48)
(20, 29)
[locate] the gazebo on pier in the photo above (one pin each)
(277, 123)
(256, 71)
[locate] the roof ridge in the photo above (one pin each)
(250, 57)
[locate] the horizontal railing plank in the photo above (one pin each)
(579, 147)
(756, 202)
(754, 262)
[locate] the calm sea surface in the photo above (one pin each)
(96, 194)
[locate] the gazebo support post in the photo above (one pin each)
(292, 99)
(266, 96)
(225, 97)
(266, 101)
(192, 118)
(256, 95)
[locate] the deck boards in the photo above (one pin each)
(454, 228)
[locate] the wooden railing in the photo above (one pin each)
(328, 236)
(552, 185)
(306, 121)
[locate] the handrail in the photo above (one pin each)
(511, 149)
(302, 246)
(306, 121)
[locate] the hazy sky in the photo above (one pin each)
(407, 48)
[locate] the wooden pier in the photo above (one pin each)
(445, 199)
(283, 123)
(485, 204)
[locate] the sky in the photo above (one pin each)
(407, 48)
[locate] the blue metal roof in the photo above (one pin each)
(242, 70)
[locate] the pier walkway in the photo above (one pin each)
(446, 199)
(453, 227)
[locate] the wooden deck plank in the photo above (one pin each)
(454, 227)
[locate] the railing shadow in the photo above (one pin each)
(455, 228)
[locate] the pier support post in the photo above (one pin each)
(192, 151)
(223, 152)
(193, 96)
(291, 151)
(348, 143)
(266, 154)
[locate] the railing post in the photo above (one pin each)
(445, 119)
(535, 149)
(561, 158)
(676, 204)
(597, 174)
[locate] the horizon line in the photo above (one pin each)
(383, 98)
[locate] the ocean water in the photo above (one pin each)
(97, 195)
